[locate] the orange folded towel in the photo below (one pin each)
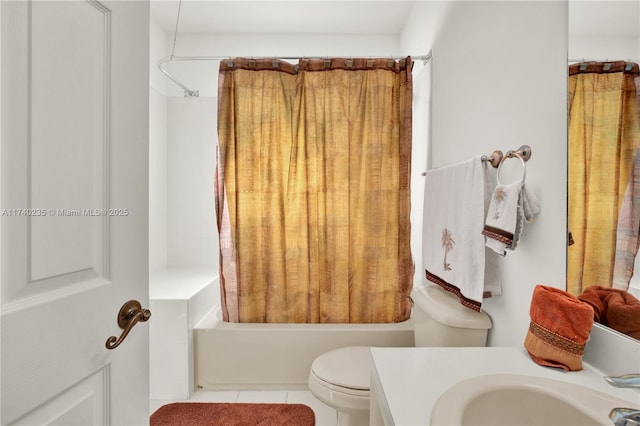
(614, 308)
(559, 328)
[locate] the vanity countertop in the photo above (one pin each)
(409, 381)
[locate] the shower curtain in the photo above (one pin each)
(312, 190)
(604, 135)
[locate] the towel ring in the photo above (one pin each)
(512, 154)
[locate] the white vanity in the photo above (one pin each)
(406, 383)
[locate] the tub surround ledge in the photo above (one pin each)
(178, 299)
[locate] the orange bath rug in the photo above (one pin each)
(232, 414)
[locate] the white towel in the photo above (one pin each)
(456, 198)
(510, 206)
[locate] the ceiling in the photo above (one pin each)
(285, 16)
(590, 17)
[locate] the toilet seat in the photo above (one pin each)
(333, 388)
(344, 370)
(340, 379)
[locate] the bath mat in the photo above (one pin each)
(232, 414)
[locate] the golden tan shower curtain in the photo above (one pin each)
(312, 190)
(604, 133)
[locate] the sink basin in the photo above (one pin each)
(509, 400)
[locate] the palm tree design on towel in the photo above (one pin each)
(499, 196)
(447, 243)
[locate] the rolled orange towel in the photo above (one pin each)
(595, 296)
(559, 328)
(614, 308)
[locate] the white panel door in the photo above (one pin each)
(74, 191)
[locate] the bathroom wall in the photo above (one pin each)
(183, 233)
(157, 152)
(499, 81)
(192, 236)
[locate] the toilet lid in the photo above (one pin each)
(346, 367)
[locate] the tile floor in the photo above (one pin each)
(325, 415)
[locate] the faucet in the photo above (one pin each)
(625, 416)
(626, 381)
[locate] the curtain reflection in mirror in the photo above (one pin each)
(604, 174)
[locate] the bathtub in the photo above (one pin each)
(277, 356)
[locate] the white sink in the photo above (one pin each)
(510, 400)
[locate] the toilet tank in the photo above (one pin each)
(441, 320)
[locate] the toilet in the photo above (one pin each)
(341, 378)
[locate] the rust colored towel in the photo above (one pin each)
(559, 328)
(614, 308)
(232, 414)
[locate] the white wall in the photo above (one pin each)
(499, 81)
(420, 160)
(182, 224)
(601, 47)
(157, 153)
(192, 236)
(424, 23)
(157, 181)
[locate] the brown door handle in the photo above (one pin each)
(130, 314)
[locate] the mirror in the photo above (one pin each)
(603, 31)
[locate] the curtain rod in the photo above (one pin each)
(195, 93)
